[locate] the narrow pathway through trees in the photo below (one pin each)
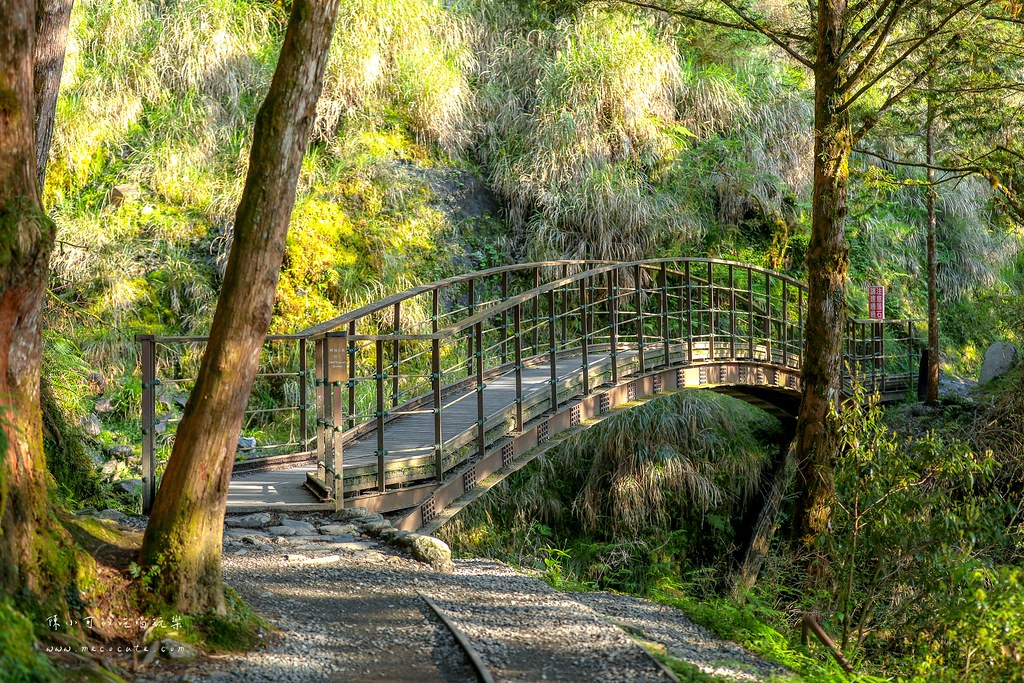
(348, 609)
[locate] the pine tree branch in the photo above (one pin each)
(938, 28)
(746, 23)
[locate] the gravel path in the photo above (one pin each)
(349, 609)
(681, 637)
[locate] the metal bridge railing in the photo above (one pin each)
(468, 360)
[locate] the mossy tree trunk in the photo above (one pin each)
(183, 539)
(827, 263)
(52, 21)
(26, 241)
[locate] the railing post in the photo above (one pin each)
(711, 311)
(585, 330)
(303, 396)
(379, 381)
(552, 347)
(785, 325)
(565, 303)
(689, 315)
(768, 318)
(800, 325)
(663, 295)
(517, 319)
(395, 351)
(638, 285)
(750, 314)
(319, 392)
(351, 376)
(435, 387)
(148, 367)
(469, 339)
(536, 311)
(732, 312)
(504, 318)
(910, 352)
(481, 426)
(336, 377)
(613, 321)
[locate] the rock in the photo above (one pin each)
(253, 521)
(112, 515)
(246, 443)
(103, 405)
(132, 486)
(160, 427)
(86, 511)
(375, 528)
(999, 358)
(299, 527)
(172, 649)
(334, 529)
(119, 194)
(349, 514)
(281, 530)
(110, 469)
(242, 533)
(352, 546)
(121, 452)
(430, 550)
(390, 533)
(91, 425)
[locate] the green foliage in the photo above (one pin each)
(915, 535)
(19, 661)
(650, 492)
(238, 630)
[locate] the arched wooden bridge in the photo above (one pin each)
(411, 401)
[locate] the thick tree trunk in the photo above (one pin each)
(52, 21)
(183, 538)
(932, 392)
(827, 262)
(26, 241)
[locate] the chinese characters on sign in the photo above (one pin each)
(876, 302)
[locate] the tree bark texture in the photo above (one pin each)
(827, 264)
(52, 21)
(26, 241)
(183, 539)
(932, 391)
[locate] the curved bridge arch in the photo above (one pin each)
(412, 400)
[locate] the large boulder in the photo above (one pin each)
(427, 549)
(999, 358)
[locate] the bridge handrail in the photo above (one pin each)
(334, 323)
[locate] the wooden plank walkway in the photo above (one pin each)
(284, 487)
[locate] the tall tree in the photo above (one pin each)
(26, 241)
(52, 21)
(852, 49)
(183, 539)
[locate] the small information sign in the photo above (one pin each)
(876, 302)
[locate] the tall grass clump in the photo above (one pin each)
(399, 59)
(651, 491)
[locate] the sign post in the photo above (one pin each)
(876, 302)
(876, 312)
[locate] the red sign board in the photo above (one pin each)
(876, 302)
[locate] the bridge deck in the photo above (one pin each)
(285, 487)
